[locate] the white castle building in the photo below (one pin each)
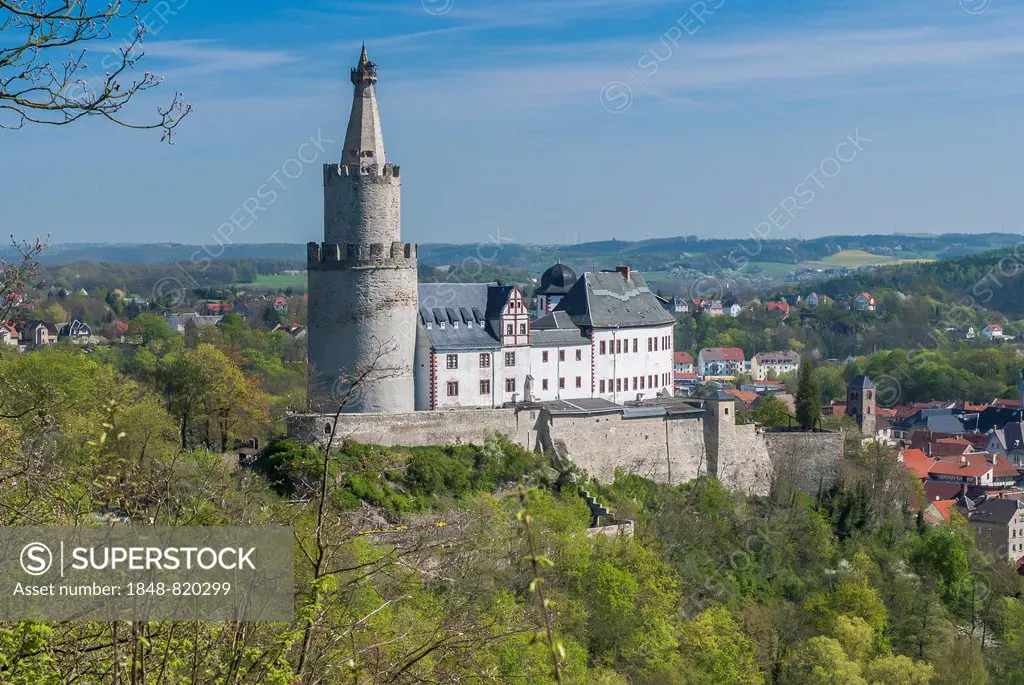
(608, 337)
(452, 345)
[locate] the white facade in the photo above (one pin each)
(779, 362)
(561, 372)
(633, 362)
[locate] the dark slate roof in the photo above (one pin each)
(999, 511)
(1013, 433)
(720, 396)
(939, 420)
(861, 382)
(607, 299)
(994, 417)
(465, 310)
(557, 280)
(557, 328)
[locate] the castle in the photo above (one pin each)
(380, 343)
(589, 379)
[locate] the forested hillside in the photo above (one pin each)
(474, 563)
(993, 280)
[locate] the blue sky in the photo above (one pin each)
(557, 120)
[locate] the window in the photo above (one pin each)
(561, 384)
(544, 384)
(510, 385)
(579, 381)
(618, 385)
(522, 329)
(544, 356)
(636, 382)
(485, 361)
(510, 359)
(579, 355)
(655, 344)
(485, 387)
(561, 355)
(602, 386)
(618, 347)
(602, 347)
(509, 330)
(452, 360)
(727, 411)
(642, 379)
(650, 345)
(453, 388)
(636, 345)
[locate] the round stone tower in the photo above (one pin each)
(362, 278)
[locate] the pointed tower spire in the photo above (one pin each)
(364, 141)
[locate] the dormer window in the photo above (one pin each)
(430, 326)
(442, 325)
(455, 324)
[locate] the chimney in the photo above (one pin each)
(963, 460)
(624, 270)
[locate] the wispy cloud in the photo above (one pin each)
(184, 59)
(831, 59)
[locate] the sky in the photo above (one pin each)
(554, 121)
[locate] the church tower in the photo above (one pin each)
(362, 277)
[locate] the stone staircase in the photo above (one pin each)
(601, 520)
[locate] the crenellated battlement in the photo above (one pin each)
(334, 255)
(367, 172)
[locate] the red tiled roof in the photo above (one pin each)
(744, 396)
(944, 506)
(781, 306)
(1008, 404)
(725, 354)
(917, 462)
(994, 327)
(969, 465)
(682, 375)
(683, 358)
(949, 447)
(1004, 469)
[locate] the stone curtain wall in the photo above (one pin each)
(811, 461)
(420, 428)
(666, 451)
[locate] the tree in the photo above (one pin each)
(770, 411)
(822, 660)
(808, 396)
(17, 276)
(45, 77)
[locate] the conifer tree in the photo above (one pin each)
(808, 396)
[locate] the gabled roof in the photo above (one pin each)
(683, 358)
(721, 354)
(746, 397)
(613, 299)
(999, 511)
(1012, 436)
(943, 508)
(917, 462)
(969, 465)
